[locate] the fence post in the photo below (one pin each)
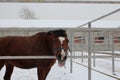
(94, 60)
(26, 32)
(113, 59)
(89, 51)
(82, 56)
(2, 34)
(71, 47)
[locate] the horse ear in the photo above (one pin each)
(49, 33)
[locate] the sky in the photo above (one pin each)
(57, 14)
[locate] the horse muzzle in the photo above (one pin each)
(61, 60)
(61, 64)
(61, 57)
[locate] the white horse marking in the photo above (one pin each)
(62, 52)
(61, 39)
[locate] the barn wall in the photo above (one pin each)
(101, 40)
(80, 38)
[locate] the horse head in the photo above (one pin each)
(60, 45)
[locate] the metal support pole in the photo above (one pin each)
(89, 52)
(94, 59)
(82, 56)
(26, 32)
(104, 16)
(93, 48)
(113, 59)
(107, 44)
(71, 46)
(2, 34)
(94, 54)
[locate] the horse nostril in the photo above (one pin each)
(59, 57)
(65, 57)
(62, 60)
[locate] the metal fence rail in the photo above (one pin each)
(85, 1)
(27, 57)
(68, 1)
(89, 24)
(104, 16)
(112, 76)
(54, 57)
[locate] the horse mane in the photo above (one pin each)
(57, 33)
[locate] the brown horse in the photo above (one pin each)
(52, 43)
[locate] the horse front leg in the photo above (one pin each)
(43, 72)
(1, 64)
(8, 73)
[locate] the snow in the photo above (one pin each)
(58, 73)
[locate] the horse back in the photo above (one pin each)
(25, 45)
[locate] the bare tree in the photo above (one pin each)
(26, 13)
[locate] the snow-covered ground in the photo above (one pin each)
(57, 73)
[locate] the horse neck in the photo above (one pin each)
(50, 44)
(48, 41)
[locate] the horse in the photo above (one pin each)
(51, 43)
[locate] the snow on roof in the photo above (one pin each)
(40, 23)
(58, 15)
(17, 23)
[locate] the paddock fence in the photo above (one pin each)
(101, 38)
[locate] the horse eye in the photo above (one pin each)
(67, 41)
